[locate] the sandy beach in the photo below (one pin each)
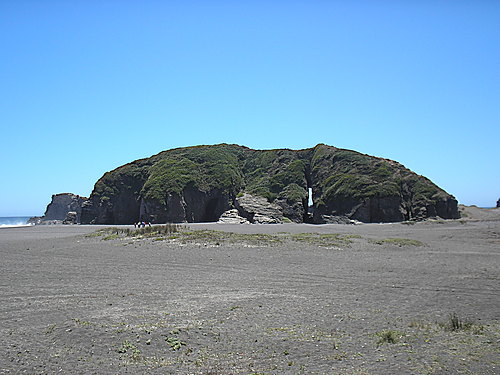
(376, 299)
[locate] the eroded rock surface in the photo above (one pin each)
(232, 216)
(71, 218)
(258, 210)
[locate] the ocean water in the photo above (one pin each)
(9, 222)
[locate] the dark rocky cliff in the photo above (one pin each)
(63, 207)
(63, 203)
(197, 184)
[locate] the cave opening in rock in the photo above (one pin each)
(210, 213)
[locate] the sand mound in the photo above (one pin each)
(478, 213)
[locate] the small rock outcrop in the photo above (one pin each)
(332, 219)
(232, 216)
(498, 203)
(71, 218)
(63, 203)
(35, 220)
(258, 210)
(64, 208)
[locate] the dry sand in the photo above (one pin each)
(76, 304)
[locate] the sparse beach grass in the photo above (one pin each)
(388, 336)
(182, 234)
(178, 233)
(326, 240)
(149, 231)
(400, 242)
(456, 323)
(157, 340)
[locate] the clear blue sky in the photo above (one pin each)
(87, 86)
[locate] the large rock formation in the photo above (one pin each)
(64, 208)
(197, 184)
(63, 203)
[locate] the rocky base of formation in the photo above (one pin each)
(232, 217)
(64, 208)
(252, 209)
(71, 218)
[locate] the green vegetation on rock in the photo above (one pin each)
(269, 173)
(128, 177)
(385, 189)
(351, 174)
(204, 168)
(293, 193)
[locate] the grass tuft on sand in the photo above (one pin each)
(388, 336)
(455, 323)
(399, 242)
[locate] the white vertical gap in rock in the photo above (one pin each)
(310, 203)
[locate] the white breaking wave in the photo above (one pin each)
(10, 222)
(14, 226)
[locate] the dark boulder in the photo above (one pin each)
(35, 220)
(71, 218)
